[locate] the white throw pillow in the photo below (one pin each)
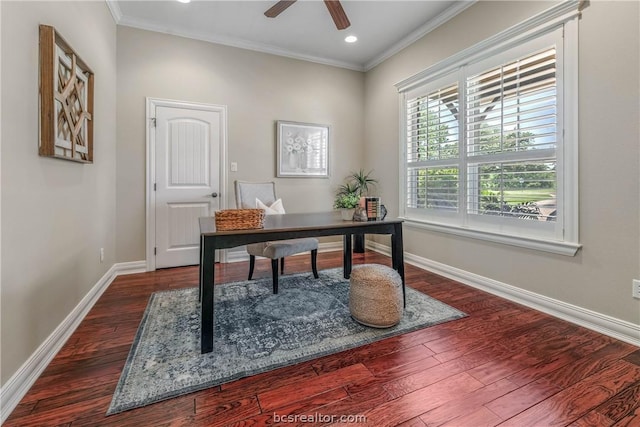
(275, 208)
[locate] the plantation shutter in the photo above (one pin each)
(489, 139)
(516, 97)
(432, 148)
(511, 130)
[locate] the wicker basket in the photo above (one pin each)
(239, 219)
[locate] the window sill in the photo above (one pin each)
(552, 246)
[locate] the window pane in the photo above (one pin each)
(490, 143)
(434, 188)
(432, 125)
(524, 190)
(513, 107)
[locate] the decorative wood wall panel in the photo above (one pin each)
(66, 100)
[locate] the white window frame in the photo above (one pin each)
(564, 239)
(422, 213)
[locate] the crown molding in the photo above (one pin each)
(525, 30)
(432, 24)
(239, 43)
(420, 32)
(114, 8)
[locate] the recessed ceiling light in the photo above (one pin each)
(351, 39)
(184, 1)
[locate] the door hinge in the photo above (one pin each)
(155, 251)
(153, 121)
(154, 186)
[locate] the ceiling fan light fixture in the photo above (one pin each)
(351, 39)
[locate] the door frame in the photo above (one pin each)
(150, 210)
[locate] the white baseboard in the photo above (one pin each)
(18, 385)
(237, 256)
(132, 267)
(377, 247)
(242, 255)
(607, 325)
(330, 246)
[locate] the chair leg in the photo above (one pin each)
(314, 258)
(282, 265)
(252, 264)
(274, 271)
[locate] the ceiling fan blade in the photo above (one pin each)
(337, 13)
(278, 8)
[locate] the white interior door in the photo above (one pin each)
(187, 180)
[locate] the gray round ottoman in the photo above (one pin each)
(375, 295)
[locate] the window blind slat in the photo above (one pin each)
(432, 125)
(488, 164)
(513, 107)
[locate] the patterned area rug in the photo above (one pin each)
(255, 331)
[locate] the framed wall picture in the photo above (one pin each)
(66, 100)
(302, 150)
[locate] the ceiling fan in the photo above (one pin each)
(334, 6)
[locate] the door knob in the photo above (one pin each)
(214, 194)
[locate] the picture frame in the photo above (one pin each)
(302, 150)
(66, 100)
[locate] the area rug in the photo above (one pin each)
(255, 331)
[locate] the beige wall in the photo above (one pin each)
(599, 277)
(56, 214)
(258, 89)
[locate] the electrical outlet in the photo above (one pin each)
(636, 289)
(101, 254)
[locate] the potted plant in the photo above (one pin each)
(349, 193)
(358, 183)
(347, 203)
(361, 182)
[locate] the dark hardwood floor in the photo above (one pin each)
(504, 365)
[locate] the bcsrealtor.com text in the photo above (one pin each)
(318, 418)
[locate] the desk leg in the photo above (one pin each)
(208, 277)
(397, 256)
(347, 256)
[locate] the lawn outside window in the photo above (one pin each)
(489, 138)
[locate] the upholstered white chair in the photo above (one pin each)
(265, 192)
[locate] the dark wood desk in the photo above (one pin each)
(281, 227)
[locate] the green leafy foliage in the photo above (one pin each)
(362, 181)
(346, 201)
(357, 184)
(347, 188)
